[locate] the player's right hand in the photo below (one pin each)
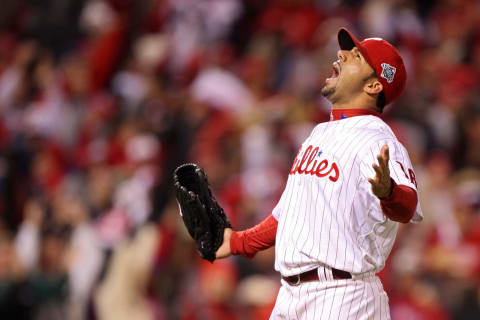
(224, 250)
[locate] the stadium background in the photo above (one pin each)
(101, 99)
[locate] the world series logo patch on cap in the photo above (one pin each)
(388, 72)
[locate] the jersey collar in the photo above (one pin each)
(339, 114)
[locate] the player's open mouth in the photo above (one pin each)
(336, 71)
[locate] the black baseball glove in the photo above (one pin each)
(204, 218)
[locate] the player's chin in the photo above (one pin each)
(330, 85)
(328, 90)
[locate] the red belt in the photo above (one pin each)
(312, 275)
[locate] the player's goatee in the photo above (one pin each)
(326, 92)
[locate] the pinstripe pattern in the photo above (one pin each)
(358, 299)
(338, 222)
(329, 217)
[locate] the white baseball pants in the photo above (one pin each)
(360, 298)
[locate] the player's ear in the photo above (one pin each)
(372, 86)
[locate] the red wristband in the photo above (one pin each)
(400, 205)
(248, 242)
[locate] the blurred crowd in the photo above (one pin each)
(100, 100)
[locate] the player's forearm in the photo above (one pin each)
(248, 242)
(401, 204)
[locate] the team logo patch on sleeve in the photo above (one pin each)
(388, 72)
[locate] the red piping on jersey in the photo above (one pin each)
(400, 205)
(339, 114)
(248, 242)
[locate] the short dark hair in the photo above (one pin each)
(381, 101)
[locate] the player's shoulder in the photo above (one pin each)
(381, 134)
(370, 128)
(366, 128)
(378, 126)
(375, 132)
(374, 123)
(320, 127)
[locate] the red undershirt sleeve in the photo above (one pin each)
(248, 242)
(400, 205)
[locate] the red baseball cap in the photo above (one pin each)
(383, 58)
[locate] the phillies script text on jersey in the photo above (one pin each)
(327, 213)
(321, 170)
(328, 217)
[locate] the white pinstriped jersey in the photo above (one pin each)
(327, 213)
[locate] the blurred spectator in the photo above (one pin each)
(47, 286)
(12, 275)
(123, 293)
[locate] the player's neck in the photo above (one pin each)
(351, 109)
(339, 114)
(357, 102)
(354, 107)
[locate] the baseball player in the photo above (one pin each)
(349, 187)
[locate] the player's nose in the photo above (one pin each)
(341, 55)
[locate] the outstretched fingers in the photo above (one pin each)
(384, 157)
(378, 169)
(381, 184)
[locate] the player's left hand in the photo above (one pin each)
(382, 183)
